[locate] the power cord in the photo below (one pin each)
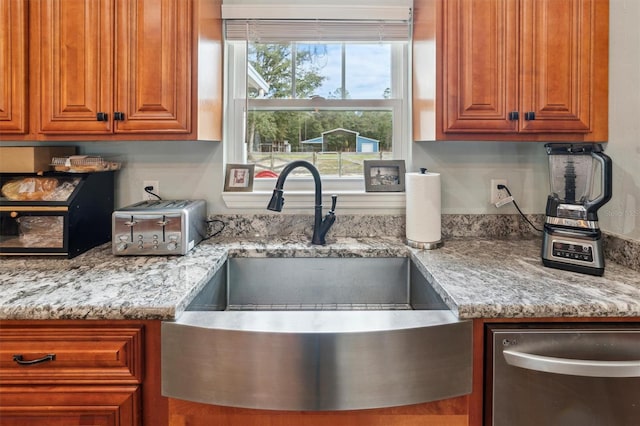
(218, 231)
(149, 190)
(500, 186)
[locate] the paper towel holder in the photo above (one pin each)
(423, 245)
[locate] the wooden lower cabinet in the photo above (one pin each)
(91, 373)
(70, 405)
(449, 412)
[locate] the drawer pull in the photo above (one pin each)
(18, 359)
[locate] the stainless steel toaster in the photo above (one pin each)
(158, 227)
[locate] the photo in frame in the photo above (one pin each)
(239, 178)
(384, 175)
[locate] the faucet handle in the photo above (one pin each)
(334, 200)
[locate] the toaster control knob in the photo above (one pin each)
(121, 246)
(172, 246)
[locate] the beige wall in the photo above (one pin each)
(622, 214)
(194, 169)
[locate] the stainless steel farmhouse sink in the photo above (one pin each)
(316, 334)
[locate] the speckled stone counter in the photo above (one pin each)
(506, 279)
(98, 285)
(476, 278)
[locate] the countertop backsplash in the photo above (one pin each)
(617, 249)
(622, 250)
(453, 225)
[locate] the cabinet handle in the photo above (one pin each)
(118, 116)
(514, 116)
(530, 115)
(102, 116)
(18, 359)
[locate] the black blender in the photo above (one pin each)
(572, 239)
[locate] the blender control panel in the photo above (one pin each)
(573, 251)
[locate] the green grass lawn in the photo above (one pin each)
(328, 163)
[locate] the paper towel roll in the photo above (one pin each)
(423, 222)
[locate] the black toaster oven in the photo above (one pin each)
(54, 213)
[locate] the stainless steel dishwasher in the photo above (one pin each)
(552, 375)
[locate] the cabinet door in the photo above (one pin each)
(480, 66)
(13, 66)
(153, 65)
(63, 406)
(76, 66)
(557, 56)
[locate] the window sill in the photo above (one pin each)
(303, 201)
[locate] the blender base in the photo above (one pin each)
(573, 250)
(573, 268)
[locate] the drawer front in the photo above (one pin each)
(70, 405)
(56, 355)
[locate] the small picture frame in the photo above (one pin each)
(239, 178)
(384, 175)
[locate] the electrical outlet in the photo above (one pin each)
(155, 185)
(498, 195)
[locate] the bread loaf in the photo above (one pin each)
(29, 188)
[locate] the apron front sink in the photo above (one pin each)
(316, 334)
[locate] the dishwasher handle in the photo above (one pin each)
(573, 367)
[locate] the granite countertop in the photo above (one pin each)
(477, 279)
(506, 279)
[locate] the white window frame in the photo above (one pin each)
(299, 191)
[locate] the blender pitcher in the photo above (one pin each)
(571, 171)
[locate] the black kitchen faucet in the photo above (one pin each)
(320, 225)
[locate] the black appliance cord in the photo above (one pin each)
(518, 208)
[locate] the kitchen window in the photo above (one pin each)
(332, 92)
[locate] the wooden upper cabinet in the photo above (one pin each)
(153, 65)
(556, 58)
(79, 70)
(480, 65)
(120, 67)
(13, 67)
(524, 70)
(76, 66)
